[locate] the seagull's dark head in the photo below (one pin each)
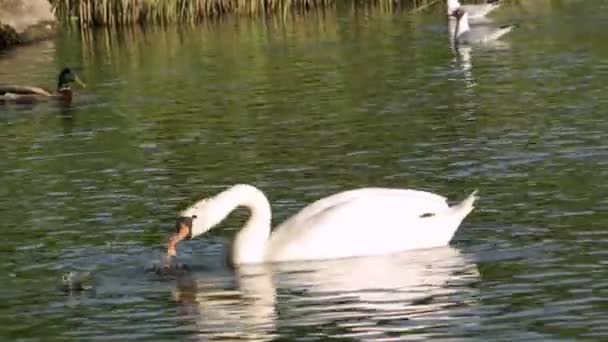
(458, 13)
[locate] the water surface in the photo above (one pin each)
(302, 109)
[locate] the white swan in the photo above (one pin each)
(361, 222)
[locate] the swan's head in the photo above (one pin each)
(194, 221)
(183, 230)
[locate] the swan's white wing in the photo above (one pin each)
(359, 222)
(410, 199)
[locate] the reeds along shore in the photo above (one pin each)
(125, 12)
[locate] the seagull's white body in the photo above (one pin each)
(475, 11)
(368, 221)
(463, 33)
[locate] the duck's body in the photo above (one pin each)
(368, 221)
(28, 94)
(25, 94)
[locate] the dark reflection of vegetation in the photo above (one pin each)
(67, 117)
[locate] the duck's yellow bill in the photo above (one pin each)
(79, 81)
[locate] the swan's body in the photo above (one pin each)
(463, 33)
(361, 222)
(476, 11)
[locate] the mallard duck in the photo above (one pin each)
(28, 94)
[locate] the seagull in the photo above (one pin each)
(479, 34)
(478, 11)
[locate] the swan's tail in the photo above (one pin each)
(465, 207)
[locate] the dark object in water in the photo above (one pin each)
(170, 268)
(77, 281)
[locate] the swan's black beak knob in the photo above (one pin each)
(183, 230)
(184, 222)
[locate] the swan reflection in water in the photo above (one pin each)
(364, 298)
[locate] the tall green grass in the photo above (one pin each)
(124, 12)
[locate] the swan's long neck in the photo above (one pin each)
(250, 242)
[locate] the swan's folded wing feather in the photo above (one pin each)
(407, 198)
(369, 219)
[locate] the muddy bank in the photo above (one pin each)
(8, 36)
(25, 21)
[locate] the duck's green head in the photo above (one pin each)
(65, 79)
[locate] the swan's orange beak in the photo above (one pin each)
(183, 229)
